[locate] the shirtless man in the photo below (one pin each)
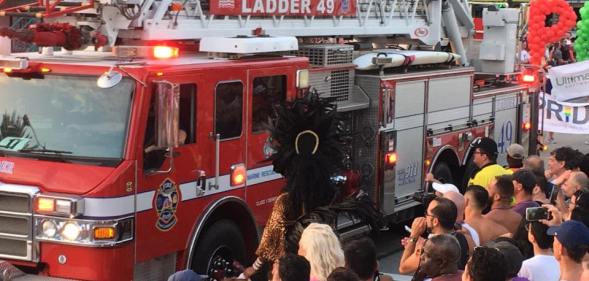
(477, 199)
(500, 193)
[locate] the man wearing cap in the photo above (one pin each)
(485, 158)
(524, 182)
(570, 246)
(515, 157)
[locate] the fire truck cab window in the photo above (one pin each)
(187, 113)
(228, 109)
(268, 92)
(154, 157)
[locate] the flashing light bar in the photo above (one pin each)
(156, 52)
(165, 52)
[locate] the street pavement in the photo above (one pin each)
(389, 243)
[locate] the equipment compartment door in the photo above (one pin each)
(506, 123)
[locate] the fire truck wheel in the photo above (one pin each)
(469, 169)
(221, 244)
(443, 173)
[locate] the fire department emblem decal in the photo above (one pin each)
(421, 32)
(166, 202)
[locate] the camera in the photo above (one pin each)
(423, 197)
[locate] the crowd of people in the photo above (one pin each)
(518, 222)
(489, 232)
(320, 257)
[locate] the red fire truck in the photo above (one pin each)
(146, 152)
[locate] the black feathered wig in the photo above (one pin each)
(307, 137)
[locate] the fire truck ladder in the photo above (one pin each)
(156, 20)
(22, 23)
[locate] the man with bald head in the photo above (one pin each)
(534, 163)
(439, 259)
(576, 181)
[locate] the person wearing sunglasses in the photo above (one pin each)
(484, 156)
(440, 218)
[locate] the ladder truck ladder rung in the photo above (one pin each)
(45, 9)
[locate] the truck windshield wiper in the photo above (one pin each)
(44, 150)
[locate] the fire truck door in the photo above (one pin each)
(172, 194)
(267, 89)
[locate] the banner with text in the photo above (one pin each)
(563, 117)
(570, 81)
(283, 7)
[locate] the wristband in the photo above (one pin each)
(257, 264)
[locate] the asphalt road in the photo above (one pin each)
(389, 243)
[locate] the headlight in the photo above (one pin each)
(49, 228)
(92, 233)
(71, 231)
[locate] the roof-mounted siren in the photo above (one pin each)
(248, 45)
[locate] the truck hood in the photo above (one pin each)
(52, 176)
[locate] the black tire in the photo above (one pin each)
(224, 239)
(469, 170)
(443, 173)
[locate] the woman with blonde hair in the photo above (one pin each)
(321, 247)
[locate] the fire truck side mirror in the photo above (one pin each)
(167, 111)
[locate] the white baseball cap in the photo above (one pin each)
(444, 187)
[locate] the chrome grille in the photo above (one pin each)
(13, 248)
(341, 85)
(15, 225)
(334, 84)
(11, 202)
(327, 54)
(16, 222)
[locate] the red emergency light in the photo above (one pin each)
(527, 126)
(528, 78)
(391, 158)
(165, 52)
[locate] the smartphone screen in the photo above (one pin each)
(536, 214)
(554, 194)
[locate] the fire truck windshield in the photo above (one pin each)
(64, 118)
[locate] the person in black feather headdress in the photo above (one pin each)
(307, 138)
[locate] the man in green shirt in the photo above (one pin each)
(485, 158)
